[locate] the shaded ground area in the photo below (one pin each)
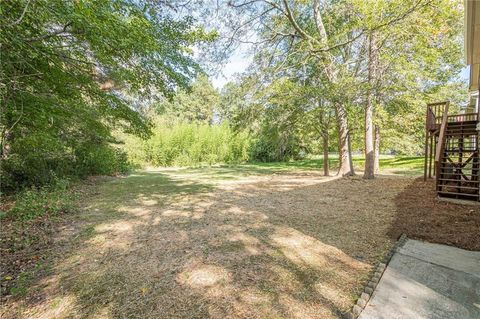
(426, 280)
(194, 244)
(236, 242)
(26, 245)
(421, 216)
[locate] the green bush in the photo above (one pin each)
(272, 147)
(101, 160)
(37, 160)
(188, 144)
(38, 201)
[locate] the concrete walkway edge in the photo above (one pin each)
(425, 280)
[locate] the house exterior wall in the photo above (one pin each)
(472, 50)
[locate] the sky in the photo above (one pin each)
(465, 74)
(237, 63)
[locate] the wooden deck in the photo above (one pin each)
(452, 152)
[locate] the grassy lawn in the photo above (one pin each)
(274, 240)
(400, 165)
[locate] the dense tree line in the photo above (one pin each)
(71, 71)
(385, 59)
(331, 75)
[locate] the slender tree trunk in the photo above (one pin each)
(346, 165)
(326, 169)
(7, 139)
(324, 122)
(377, 149)
(330, 69)
(350, 157)
(7, 123)
(369, 172)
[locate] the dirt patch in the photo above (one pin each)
(422, 216)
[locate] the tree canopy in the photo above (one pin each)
(385, 59)
(70, 71)
(326, 76)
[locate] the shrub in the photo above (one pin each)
(33, 202)
(37, 160)
(188, 144)
(272, 146)
(101, 159)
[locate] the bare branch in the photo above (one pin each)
(21, 16)
(294, 23)
(53, 34)
(232, 3)
(378, 27)
(319, 22)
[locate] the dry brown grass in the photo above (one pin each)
(186, 244)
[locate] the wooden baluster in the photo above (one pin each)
(441, 147)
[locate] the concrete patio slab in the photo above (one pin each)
(426, 280)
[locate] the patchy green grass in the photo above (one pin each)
(25, 279)
(406, 165)
(22, 284)
(402, 165)
(36, 202)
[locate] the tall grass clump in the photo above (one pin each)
(188, 144)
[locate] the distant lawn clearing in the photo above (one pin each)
(256, 241)
(401, 165)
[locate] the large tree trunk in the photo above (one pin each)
(326, 169)
(369, 172)
(377, 149)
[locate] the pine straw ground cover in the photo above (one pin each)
(425, 218)
(220, 243)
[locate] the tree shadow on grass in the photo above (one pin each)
(403, 161)
(102, 205)
(163, 245)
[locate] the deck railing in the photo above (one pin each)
(434, 116)
(441, 145)
(435, 113)
(462, 117)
